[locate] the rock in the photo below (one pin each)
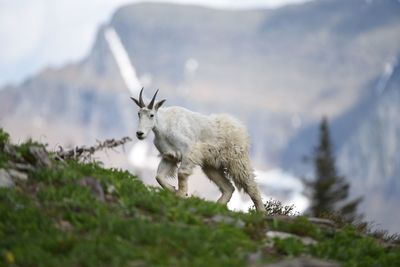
(94, 185)
(303, 262)
(240, 224)
(313, 220)
(282, 235)
(391, 245)
(18, 175)
(327, 225)
(64, 225)
(22, 167)
(221, 219)
(322, 222)
(226, 220)
(192, 210)
(5, 179)
(10, 150)
(254, 257)
(41, 157)
(111, 189)
(308, 241)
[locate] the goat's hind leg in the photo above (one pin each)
(224, 185)
(166, 168)
(253, 191)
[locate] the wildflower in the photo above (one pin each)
(10, 259)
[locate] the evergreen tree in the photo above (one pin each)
(329, 191)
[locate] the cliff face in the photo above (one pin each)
(371, 153)
(372, 150)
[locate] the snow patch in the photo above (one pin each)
(386, 75)
(127, 71)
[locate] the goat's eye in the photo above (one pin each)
(138, 114)
(151, 115)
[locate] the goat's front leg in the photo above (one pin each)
(182, 185)
(166, 168)
(184, 171)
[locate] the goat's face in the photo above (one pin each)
(147, 121)
(147, 115)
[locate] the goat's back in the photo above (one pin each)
(230, 131)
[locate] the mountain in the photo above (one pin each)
(278, 70)
(367, 144)
(376, 138)
(371, 154)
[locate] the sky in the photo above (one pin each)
(35, 34)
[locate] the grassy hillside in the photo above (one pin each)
(74, 214)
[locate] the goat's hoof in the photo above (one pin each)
(181, 194)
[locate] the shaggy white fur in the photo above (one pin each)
(217, 143)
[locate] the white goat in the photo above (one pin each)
(217, 143)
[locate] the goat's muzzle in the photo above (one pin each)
(140, 135)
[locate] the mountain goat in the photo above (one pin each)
(217, 143)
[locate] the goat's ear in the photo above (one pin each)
(137, 102)
(159, 104)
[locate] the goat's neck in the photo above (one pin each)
(159, 128)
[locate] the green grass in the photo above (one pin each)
(50, 220)
(137, 225)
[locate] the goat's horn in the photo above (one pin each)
(151, 104)
(141, 99)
